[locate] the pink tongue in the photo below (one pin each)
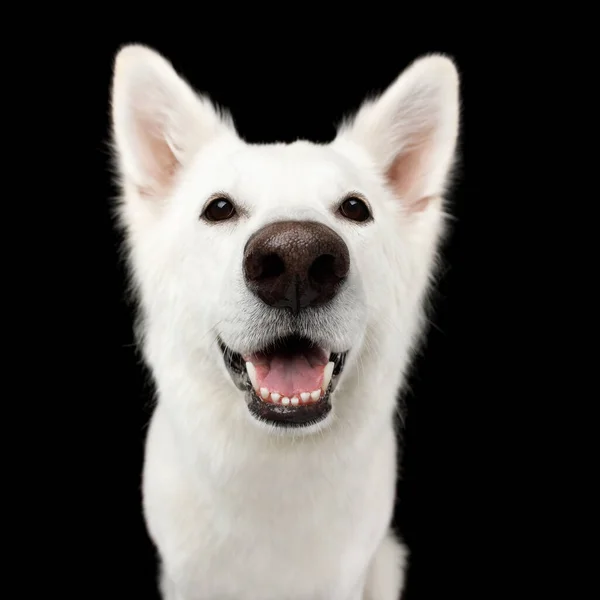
(289, 375)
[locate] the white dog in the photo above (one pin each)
(282, 292)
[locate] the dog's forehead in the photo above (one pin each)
(289, 173)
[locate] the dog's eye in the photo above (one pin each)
(220, 209)
(355, 209)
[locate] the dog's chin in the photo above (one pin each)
(289, 383)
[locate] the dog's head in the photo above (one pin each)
(279, 271)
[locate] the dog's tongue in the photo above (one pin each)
(290, 374)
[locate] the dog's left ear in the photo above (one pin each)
(411, 130)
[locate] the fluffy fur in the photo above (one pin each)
(239, 510)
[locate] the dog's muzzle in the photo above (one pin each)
(294, 268)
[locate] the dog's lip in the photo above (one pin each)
(277, 414)
(289, 416)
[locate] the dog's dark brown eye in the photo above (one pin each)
(220, 209)
(355, 209)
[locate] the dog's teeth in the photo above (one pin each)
(285, 401)
(295, 401)
(252, 374)
(264, 392)
(315, 395)
(305, 396)
(327, 373)
(275, 397)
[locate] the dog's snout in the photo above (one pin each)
(295, 264)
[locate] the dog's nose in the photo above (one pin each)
(295, 264)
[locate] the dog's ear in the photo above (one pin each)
(158, 120)
(411, 130)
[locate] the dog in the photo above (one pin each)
(282, 289)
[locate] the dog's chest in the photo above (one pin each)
(267, 530)
(266, 551)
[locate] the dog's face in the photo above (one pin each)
(280, 271)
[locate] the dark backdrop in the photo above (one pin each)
(280, 91)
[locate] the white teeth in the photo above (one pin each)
(252, 374)
(302, 398)
(327, 373)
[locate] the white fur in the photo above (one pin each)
(239, 510)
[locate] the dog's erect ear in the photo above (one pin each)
(158, 120)
(411, 130)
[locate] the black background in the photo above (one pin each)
(280, 91)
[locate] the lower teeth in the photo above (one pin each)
(302, 398)
(305, 398)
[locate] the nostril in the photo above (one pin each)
(272, 266)
(323, 269)
(264, 267)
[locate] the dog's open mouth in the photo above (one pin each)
(289, 383)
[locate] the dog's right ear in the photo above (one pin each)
(158, 120)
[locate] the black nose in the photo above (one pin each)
(295, 264)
